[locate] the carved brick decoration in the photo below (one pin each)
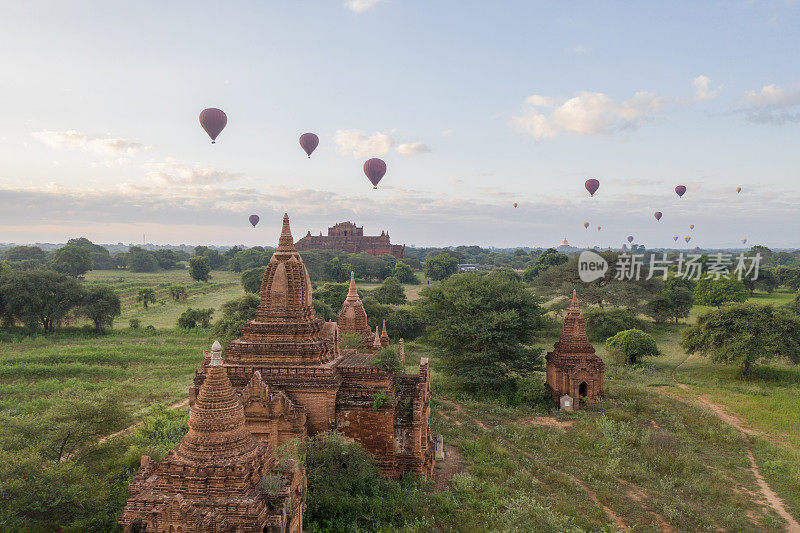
(572, 367)
(296, 381)
(348, 237)
(211, 481)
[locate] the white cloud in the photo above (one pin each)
(172, 172)
(414, 148)
(588, 113)
(75, 140)
(578, 49)
(447, 133)
(357, 6)
(773, 104)
(360, 145)
(703, 89)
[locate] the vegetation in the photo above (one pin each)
(195, 318)
(251, 279)
(199, 268)
(72, 260)
(234, 315)
(439, 267)
(632, 345)
(146, 295)
(101, 305)
(604, 323)
(716, 292)
(674, 300)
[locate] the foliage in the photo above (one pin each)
(333, 294)
(134, 323)
(323, 310)
(440, 267)
(379, 399)
(271, 484)
(673, 301)
(199, 268)
(604, 323)
(346, 491)
(38, 297)
(405, 321)
(336, 270)
(745, 334)
(716, 292)
(480, 325)
(390, 292)
(632, 345)
(137, 259)
(251, 279)
(178, 292)
(101, 305)
(548, 258)
(215, 260)
(389, 360)
(350, 341)
(404, 273)
(146, 295)
(26, 253)
(234, 315)
(167, 259)
(251, 258)
(71, 260)
(195, 318)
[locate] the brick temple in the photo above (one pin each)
(295, 381)
(214, 480)
(572, 367)
(348, 237)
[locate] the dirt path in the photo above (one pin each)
(767, 493)
(176, 405)
(452, 464)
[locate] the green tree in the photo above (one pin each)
(673, 301)
(101, 305)
(195, 318)
(716, 292)
(604, 323)
(140, 260)
(548, 258)
(323, 310)
(251, 279)
(199, 268)
(234, 315)
(72, 260)
(250, 258)
(334, 294)
(178, 292)
(146, 295)
(166, 259)
(39, 297)
(632, 345)
(101, 259)
(480, 326)
(440, 267)
(390, 292)
(25, 253)
(745, 334)
(336, 270)
(404, 273)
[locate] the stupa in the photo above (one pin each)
(219, 478)
(353, 316)
(572, 367)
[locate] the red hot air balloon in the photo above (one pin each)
(592, 185)
(515, 205)
(680, 190)
(254, 220)
(691, 226)
(657, 214)
(630, 238)
(374, 169)
(598, 228)
(309, 142)
(213, 121)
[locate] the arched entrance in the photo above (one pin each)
(583, 390)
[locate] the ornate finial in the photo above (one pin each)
(286, 242)
(377, 342)
(216, 354)
(384, 334)
(352, 292)
(574, 304)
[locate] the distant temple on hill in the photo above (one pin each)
(348, 237)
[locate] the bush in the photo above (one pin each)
(234, 315)
(604, 323)
(323, 310)
(194, 318)
(350, 341)
(632, 345)
(251, 280)
(390, 292)
(389, 360)
(134, 323)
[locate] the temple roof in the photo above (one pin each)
(353, 316)
(573, 333)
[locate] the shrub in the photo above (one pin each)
(134, 323)
(379, 399)
(604, 323)
(251, 280)
(271, 484)
(388, 359)
(193, 318)
(234, 314)
(324, 310)
(350, 341)
(632, 345)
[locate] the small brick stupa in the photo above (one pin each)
(353, 317)
(212, 481)
(572, 367)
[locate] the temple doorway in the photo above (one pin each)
(583, 390)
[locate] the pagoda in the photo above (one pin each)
(572, 367)
(295, 381)
(353, 316)
(214, 480)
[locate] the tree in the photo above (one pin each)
(632, 345)
(548, 258)
(234, 315)
(72, 260)
(101, 259)
(199, 268)
(140, 260)
(404, 273)
(250, 258)
(251, 279)
(390, 292)
(440, 267)
(178, 292)
(38, 297)
(101, 305)
(604, 323)
(673, 301)
(25, 253)
(480, 325)
(195, 318)
(337, 271)
(745, 334)
(166, 259)
(323, 310)
(334, 294)
(716, 292)
(146, 295)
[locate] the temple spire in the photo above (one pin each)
(286, 242)
(352, 293)
(377, 342)
(574, 304)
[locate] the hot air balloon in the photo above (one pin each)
(691, 226)
(657, 214)
(309, 141)
(598, 228)
(630, 238)
(687, 238)
(515, 205)
(374, 169)
(586, 225)
(744, 241)
(592, 185)
(254, 220)
(680, 190)
(213, 121)
(738, 190)
(675, 238)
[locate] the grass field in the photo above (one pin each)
(650, 457)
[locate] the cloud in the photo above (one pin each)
(703, 90)
(447, 133)
(75, 140)
(772, 104)
(358, 6)
(587, 113)
(360, 145)
(578, 49)
(172, 172)
(414, 148)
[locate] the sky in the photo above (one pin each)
(474, 106)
